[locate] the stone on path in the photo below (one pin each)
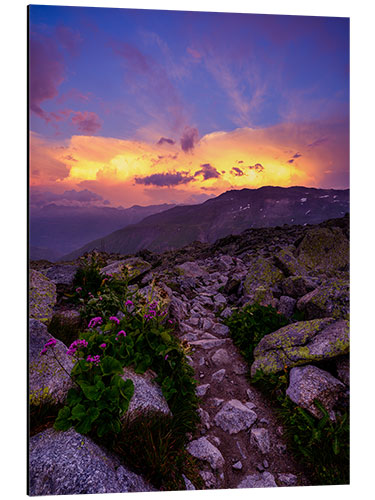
(201, 390)
(218, 376)
(287, 479)
(221, 357)
(204, 450)
(235, 417)
(260, 437)
(263, 480)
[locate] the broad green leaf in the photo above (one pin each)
(73, 397)
(110, 366)
(63, 422)
(78, 412)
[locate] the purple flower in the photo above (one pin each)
(51, 342)
(79, 289)
(95, 321)
(120, 333)
(170, 321)
(128, 303)
(166, 357)
(79, 343)
(95, 359)
(100, 298)
(115, 320)
(103, 345)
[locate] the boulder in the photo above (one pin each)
(47, 379)
(127, 268)
(42, 296)
(286, 306)
(261, 439)
(301, 343)
(191, 269)
(298, 286)
(67, 463)
(288, 263)
(221, 357)
(263, 480)
(308, 383)
(147, 395)
(61, 274)
(262, 273)
(329, 300)
(287, 479)
(343, 369)
(235, 417)
(204, 450)
(324, 249)
(260, 295)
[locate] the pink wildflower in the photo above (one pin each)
(120, 333)
(115, 320)
(103, 345)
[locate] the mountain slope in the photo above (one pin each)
(230, 213)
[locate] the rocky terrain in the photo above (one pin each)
(302, 271)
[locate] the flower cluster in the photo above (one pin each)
(129, 303)
(79, 289)
(120, 333)
(151, 314)
(51, 342)
(103, 346)
(115, 320)
(76, 345)
(95, 321)
(95, 359)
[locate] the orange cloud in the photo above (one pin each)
(311, 154)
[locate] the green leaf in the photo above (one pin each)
(63, 421)
(73, 397)
(92, 392)
(126, 388)
(110, 366)
(78, 412)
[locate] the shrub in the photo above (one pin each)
(250, 324)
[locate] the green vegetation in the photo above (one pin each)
(128, 330)
(250, 324)
(320, 444)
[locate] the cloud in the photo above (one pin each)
(239, 161)
(297, 155)
(68, 39)
(208, 172)
(317, 142)
(86, 121)
(291, 161)
(258, 167)
(162, 140)
(189, 139)
(237, 172)
(194, 53)
(46, 163)
(165, 179)
(67, 198)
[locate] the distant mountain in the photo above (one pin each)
(230, 213)
(56, 230)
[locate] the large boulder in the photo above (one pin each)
(308, 383)
(147, 395)
(288, 263)
(298, 286)
(48, 378)
(67, 463)
(42, 296)
(127, 269)
(191, 269)
(329, 300)
(61, 274)
(301, 343)
(324, 249)
(262, 273)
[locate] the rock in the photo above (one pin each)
(220, 300)
(288, 263)
(147, 395)
(286, 306)
(191, 269)
(204, 450)
(287, 479)
(262, 274)
(218, 376)
(208, 344)
(225, 263)
(308, 383)
(298, 286)
(220, 329)
(47, 379)
(263, 480)
(216, 402)
(237, 465)
(301, 343)
(265, 464)
(61, 274)
(262, 296)
(193, 321)
(329, 300)
(226, 313)
(201, 390)
(232, 286)
(251, 406)
(67, 463)
(260, 437)
(221, 357)
(188, 484)
(132, 268)
(178, 309)
(343, 369)
(324, 249)
(206, 323)
(235, 417)
(281, 448)
(42, 296)
(204, 418)
(209, 479)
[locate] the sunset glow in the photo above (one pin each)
(146, 107)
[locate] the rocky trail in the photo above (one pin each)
(239, 439)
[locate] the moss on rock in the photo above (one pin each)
(262, 273)
(42, 296)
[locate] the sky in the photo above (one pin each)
(146, 107)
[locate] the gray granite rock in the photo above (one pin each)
(220, 330)
(147, 395)
(61, 274)
(221, 357)
(343, 369)
(204, 450)
(191, 269)
(235, 417)
(201, 390)
(188, 484)
(298, 286)
(260, 437)
(308, 383)
(42, 296)
(208, 343)
(237, 466)
(286, 306)
(263, 480)
(287, 479)
(47, 379)
(218, 376)
(67, 463)
(132, 267)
